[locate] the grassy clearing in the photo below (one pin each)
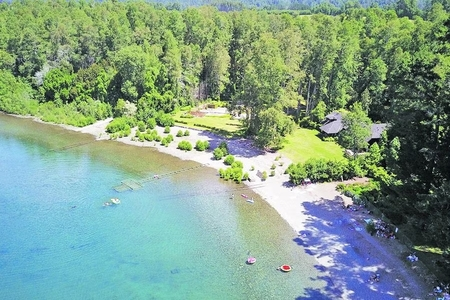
(222, 124)
(304, 144)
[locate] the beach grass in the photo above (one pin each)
(304, 144)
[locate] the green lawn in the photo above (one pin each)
(222, 124)
(304, 144)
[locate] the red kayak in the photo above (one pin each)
(285, 268)
(243, 195)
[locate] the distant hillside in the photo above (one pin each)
(278, 4)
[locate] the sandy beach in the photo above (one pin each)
(346, 254)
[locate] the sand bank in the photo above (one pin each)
(346, 254)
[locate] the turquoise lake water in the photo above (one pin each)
(178, 237)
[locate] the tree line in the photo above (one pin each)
(76, 62)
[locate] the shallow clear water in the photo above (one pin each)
(178, 237)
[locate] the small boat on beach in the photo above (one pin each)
(244, 195)
(250, 200)
(251, 260)
(285, 268)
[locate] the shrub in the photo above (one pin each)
(180, 133)
(355, 168)
(148, 137)
(187, 115)
(370, 227)
(229, 159)
(169, 138)
(157, 138)
(235, 174)
(273, 167)
(224, 147)
(131, 121)
(272, 173)
(165, 142)
(141, 126)
(118, 124)
(164, 120)
(264, 175)
(186, 133)
(202, 145)
(237, 164)
(151, 123)
(167, 129)
(224, 174)
(218, 154)
(318, 170)
(185, 145)
(329, 139)
(245, 176)
(252, 168)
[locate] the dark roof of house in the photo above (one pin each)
(333, 116)
(377, 130)
(332, 127)
(333, 124)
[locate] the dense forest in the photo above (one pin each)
(330, 7)
(76, 62)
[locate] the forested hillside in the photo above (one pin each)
(76, 62)
(305, 6)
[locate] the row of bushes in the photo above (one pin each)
(149, 135)
(120, 127)
(180, 133)
(202, 145)
(356, 189)
(206, 126)
(323, 170)
(165, 141)
(199, 145)
(186, 115)
(234, 172)
(318, 170)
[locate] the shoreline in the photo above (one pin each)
(347, 255)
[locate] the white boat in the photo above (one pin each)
(115, 200)
(250, 200)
